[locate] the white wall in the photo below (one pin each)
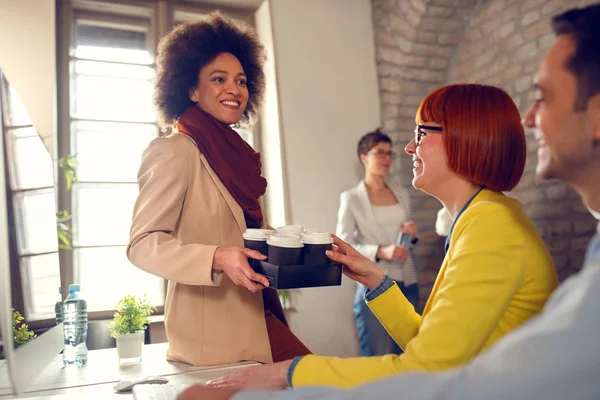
(28, 58)
(328, 98)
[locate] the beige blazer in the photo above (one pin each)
(182, 214)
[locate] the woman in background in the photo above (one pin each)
(200, 188)
(370, 217)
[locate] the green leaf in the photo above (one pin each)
(63, 239)
(64, 230)
(69, 165)
(69, 181)
(21, 332)
(131, 315)
(284, 297)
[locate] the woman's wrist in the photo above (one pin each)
(217, 265)
(287, 369)
(374, 279)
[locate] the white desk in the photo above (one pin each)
(102, 372)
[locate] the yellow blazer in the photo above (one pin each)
(497, 273)
(182, 214)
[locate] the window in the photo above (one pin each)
(32, 209)
(106, 119)
(112, 122)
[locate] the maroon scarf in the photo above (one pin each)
(236, 164)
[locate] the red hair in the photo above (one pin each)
(482, 133)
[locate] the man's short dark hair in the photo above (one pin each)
(583, 25)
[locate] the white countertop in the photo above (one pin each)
(102, 372)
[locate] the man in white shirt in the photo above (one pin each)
(555, 355)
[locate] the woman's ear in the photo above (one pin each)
(193, 94)
(593, 111)
(363, 159)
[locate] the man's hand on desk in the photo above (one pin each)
(268, 376)
(206, 393)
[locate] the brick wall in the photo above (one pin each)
(424, 44)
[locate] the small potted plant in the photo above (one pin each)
(128, 326)
(21, 331)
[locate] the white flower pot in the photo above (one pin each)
(129, 347)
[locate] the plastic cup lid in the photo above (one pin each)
(293, 229)
(281, 240)
(317, 238)
(257, 234)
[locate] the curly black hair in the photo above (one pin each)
(186, 49)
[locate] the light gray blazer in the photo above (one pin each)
(357, 224)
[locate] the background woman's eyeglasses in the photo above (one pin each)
(420, 131)
(382, 153)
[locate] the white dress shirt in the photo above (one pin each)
(389, 219)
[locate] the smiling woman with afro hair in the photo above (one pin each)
(189, 47)
(200, 189)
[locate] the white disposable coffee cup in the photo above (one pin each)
(257, 234)
(317, 237)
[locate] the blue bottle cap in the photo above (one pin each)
(75, 287)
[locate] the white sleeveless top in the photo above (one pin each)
(389, 219)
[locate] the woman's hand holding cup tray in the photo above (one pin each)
(356, 266)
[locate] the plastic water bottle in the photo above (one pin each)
(75, 326)
(58, 308)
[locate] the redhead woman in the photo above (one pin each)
(200, 188)
(469, 147)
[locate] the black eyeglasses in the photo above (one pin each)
(382, 153)
(420, 132)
